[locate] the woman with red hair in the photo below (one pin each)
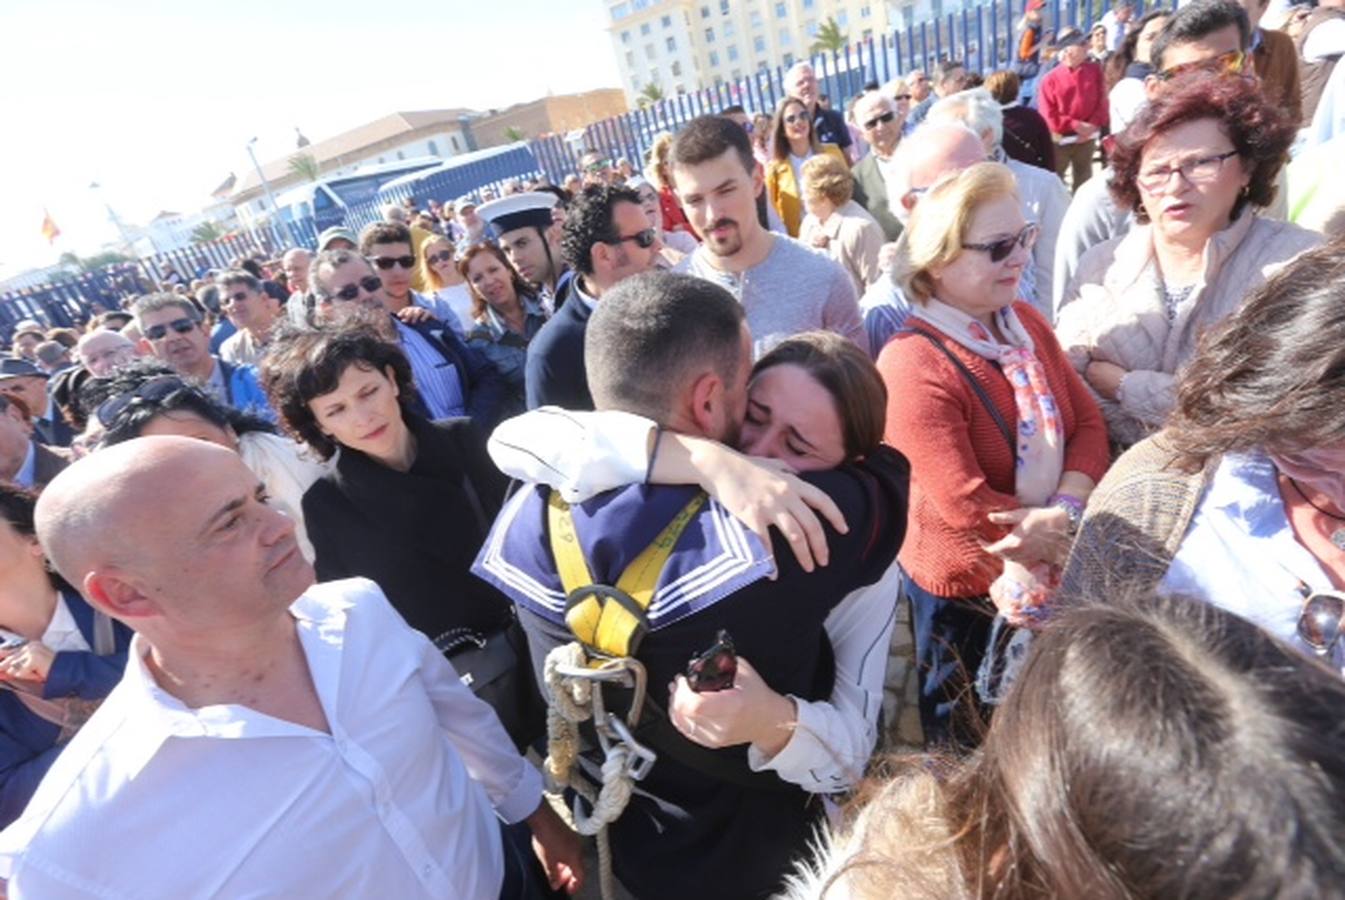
(1195, 168)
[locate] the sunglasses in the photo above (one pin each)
(1234, 62)
(882, 119)
(901, 97)
(999, 250)
(441, 256)
(643, 239)
(181, 326)
(370, 283)
(1320, 622)
(387, 262)
(153, 392)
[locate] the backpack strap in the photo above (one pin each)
(975, 386)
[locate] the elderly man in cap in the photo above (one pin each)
(1072, 99)
(474, 228)
(530, 237)
(287, 739)
(22, 379)
(335, 238)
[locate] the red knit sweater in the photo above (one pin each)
(961, 467)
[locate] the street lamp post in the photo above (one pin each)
(266, 187)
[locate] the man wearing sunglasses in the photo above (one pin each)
(452, 378)
(1210, 36)
(392, 249)
(880, 123)
(252, 311)
(173, 333)
(606, 239)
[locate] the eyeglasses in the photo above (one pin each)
(643, 239)
(370, 283)
(441, 256)
(181, 326)
(1234, 62)
(387, 262)
(882, 119)
(153, 392)
(999, 250)
(1319, 623)
(1193, 171)
(795, 117)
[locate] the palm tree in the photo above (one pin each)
(207, 232)
(512, 134)
(305, 165)
(829, 37)
(650, 94)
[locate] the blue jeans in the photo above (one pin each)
(950, 636)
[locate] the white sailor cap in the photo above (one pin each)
(530, 208)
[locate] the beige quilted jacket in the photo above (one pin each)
(1114, 312)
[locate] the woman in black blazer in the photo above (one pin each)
(408, 503)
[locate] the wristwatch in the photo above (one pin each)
(1073, 511)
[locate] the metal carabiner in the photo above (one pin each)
(641, 759)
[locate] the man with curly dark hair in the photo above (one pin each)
(607, 238)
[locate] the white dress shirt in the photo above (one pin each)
(585, 453)
(153, 799)
(63, 634)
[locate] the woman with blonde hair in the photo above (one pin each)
(438, 260)
(793, 143)
(836, 224)
(1004, 440)
(657, 171)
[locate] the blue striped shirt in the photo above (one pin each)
(436, 378)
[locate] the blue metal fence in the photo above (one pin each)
(981, 36)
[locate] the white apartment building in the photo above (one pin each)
(689, 45)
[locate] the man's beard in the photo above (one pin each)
(729, 245)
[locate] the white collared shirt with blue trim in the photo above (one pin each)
(155, 799)
(1241, 554)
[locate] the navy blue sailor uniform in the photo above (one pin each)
(715, 831)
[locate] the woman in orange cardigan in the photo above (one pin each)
(1004, 440)
(793, 143)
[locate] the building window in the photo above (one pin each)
(719, 79)
(780, 11)
(649, 51)
(666, 22)
(630, 59)
(705, 12)
(756, 19)
(810, 28)
(620, 11)
(709, 35)
(434, 148)
(638, 5)
(788, 60)
(728, 29)
(644, 29)
(671, 44)
(714, 58)
(723, 7)
(453, 139)
(785, 38)
(676, 69)
(737, 74)
(809, 4)
(759, 44)
(842, 18)
(733, 54)
(865, 12)
(625, 37)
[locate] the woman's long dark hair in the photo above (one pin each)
(779, 143)
(1272, 375)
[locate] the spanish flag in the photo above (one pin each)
(49, 229)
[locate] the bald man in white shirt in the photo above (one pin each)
(269, 737)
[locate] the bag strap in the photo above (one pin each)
(610, 621)
(976, 388)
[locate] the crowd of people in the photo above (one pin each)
(554, 542)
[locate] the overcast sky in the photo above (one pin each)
(155, 100)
